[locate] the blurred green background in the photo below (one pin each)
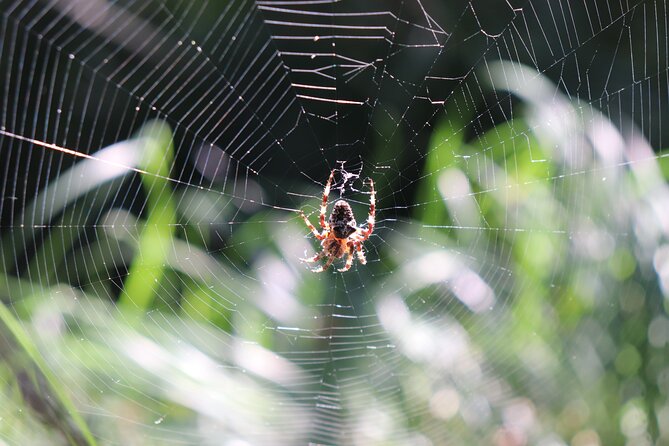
(155, 156)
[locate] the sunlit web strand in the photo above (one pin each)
(78, 154)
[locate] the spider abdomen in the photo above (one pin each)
(342, 221)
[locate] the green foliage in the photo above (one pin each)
(40, 389)
(155, 240)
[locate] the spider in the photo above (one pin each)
(340, 236)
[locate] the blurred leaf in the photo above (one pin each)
(147, 270)
(445, 144)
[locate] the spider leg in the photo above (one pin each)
(349, 260)
(311, 227)
(315, 258)
(324, 203)
(358, 236)
(365, 233)
(322, 268)
(361, 255)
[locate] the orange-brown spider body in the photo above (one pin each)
(341, 236)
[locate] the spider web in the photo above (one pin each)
(155, 155)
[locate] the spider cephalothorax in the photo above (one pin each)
(340, 234)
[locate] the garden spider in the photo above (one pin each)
(341, 236)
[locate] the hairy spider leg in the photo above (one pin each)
(324, 203)
(322, 268)
(372, 213)
(315, 258)
(361, 255)
(311, 227)
(349, 260)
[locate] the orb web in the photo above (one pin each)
(156, 155)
